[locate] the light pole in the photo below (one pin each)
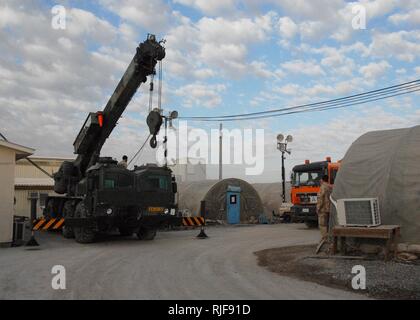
(282, 147)
(171, 116)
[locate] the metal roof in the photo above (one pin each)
(34, 182)
(21, 151)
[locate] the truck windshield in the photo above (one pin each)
(158, 182)
(312, 178)
(112, 181)
(155, 182)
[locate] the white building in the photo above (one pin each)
(189, 170)
(31, 182)
(9, 154)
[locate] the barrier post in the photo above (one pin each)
(202, 234)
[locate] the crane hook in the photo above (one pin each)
(153, 142)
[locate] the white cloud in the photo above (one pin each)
(287, 27)
(321, 19)
(312, 10)
(404, 45)
(374, 70)
(217, 45)
(199, 94)
(288, 89)
(310, 68)
(412, 17)
(212, 7)
(154, 15)
(221, 30)
(84, 23)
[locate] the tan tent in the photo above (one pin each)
(214, 193)
(271, 196)
(386, 164)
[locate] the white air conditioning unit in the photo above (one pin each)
(358, 212)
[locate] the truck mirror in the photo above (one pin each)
(174, 187)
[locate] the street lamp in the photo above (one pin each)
(282, 147)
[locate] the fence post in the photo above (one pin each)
(32, 242)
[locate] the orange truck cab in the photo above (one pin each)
(306, 181)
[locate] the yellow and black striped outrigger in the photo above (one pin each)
(48, 224)
(45, 224)
(193, 221)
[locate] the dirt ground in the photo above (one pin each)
(176, 265)
(384, 280)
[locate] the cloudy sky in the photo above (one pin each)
(223, 57)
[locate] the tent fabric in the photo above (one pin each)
(214, 193)
(271, 196)
(385, 164)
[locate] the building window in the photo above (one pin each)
(33, 195)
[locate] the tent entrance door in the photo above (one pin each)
(233, 198)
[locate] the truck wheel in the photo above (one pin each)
(68, 211)
(311, 224)
(287, 218)
(84, 234)
(146, 233)
(125, 231)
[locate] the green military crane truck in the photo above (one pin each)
(96, 194)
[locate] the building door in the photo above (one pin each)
(233, 198)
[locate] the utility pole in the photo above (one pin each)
(220, 152)
(283, 177)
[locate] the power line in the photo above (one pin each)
(141, 148)
(361, 98)
(323, 108)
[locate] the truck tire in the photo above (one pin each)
(125, 231)
(146, 233)
(311, 224)
(68, 211)
(84, 234)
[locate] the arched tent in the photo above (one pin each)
(386, 164)
(271, 195)
(214, 193)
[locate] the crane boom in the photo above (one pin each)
(98, 126)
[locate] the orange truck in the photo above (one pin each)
(306, 181)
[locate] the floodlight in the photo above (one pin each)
(174, 115)
(289, 138)
(280, 137)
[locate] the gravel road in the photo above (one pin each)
(173, 266)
